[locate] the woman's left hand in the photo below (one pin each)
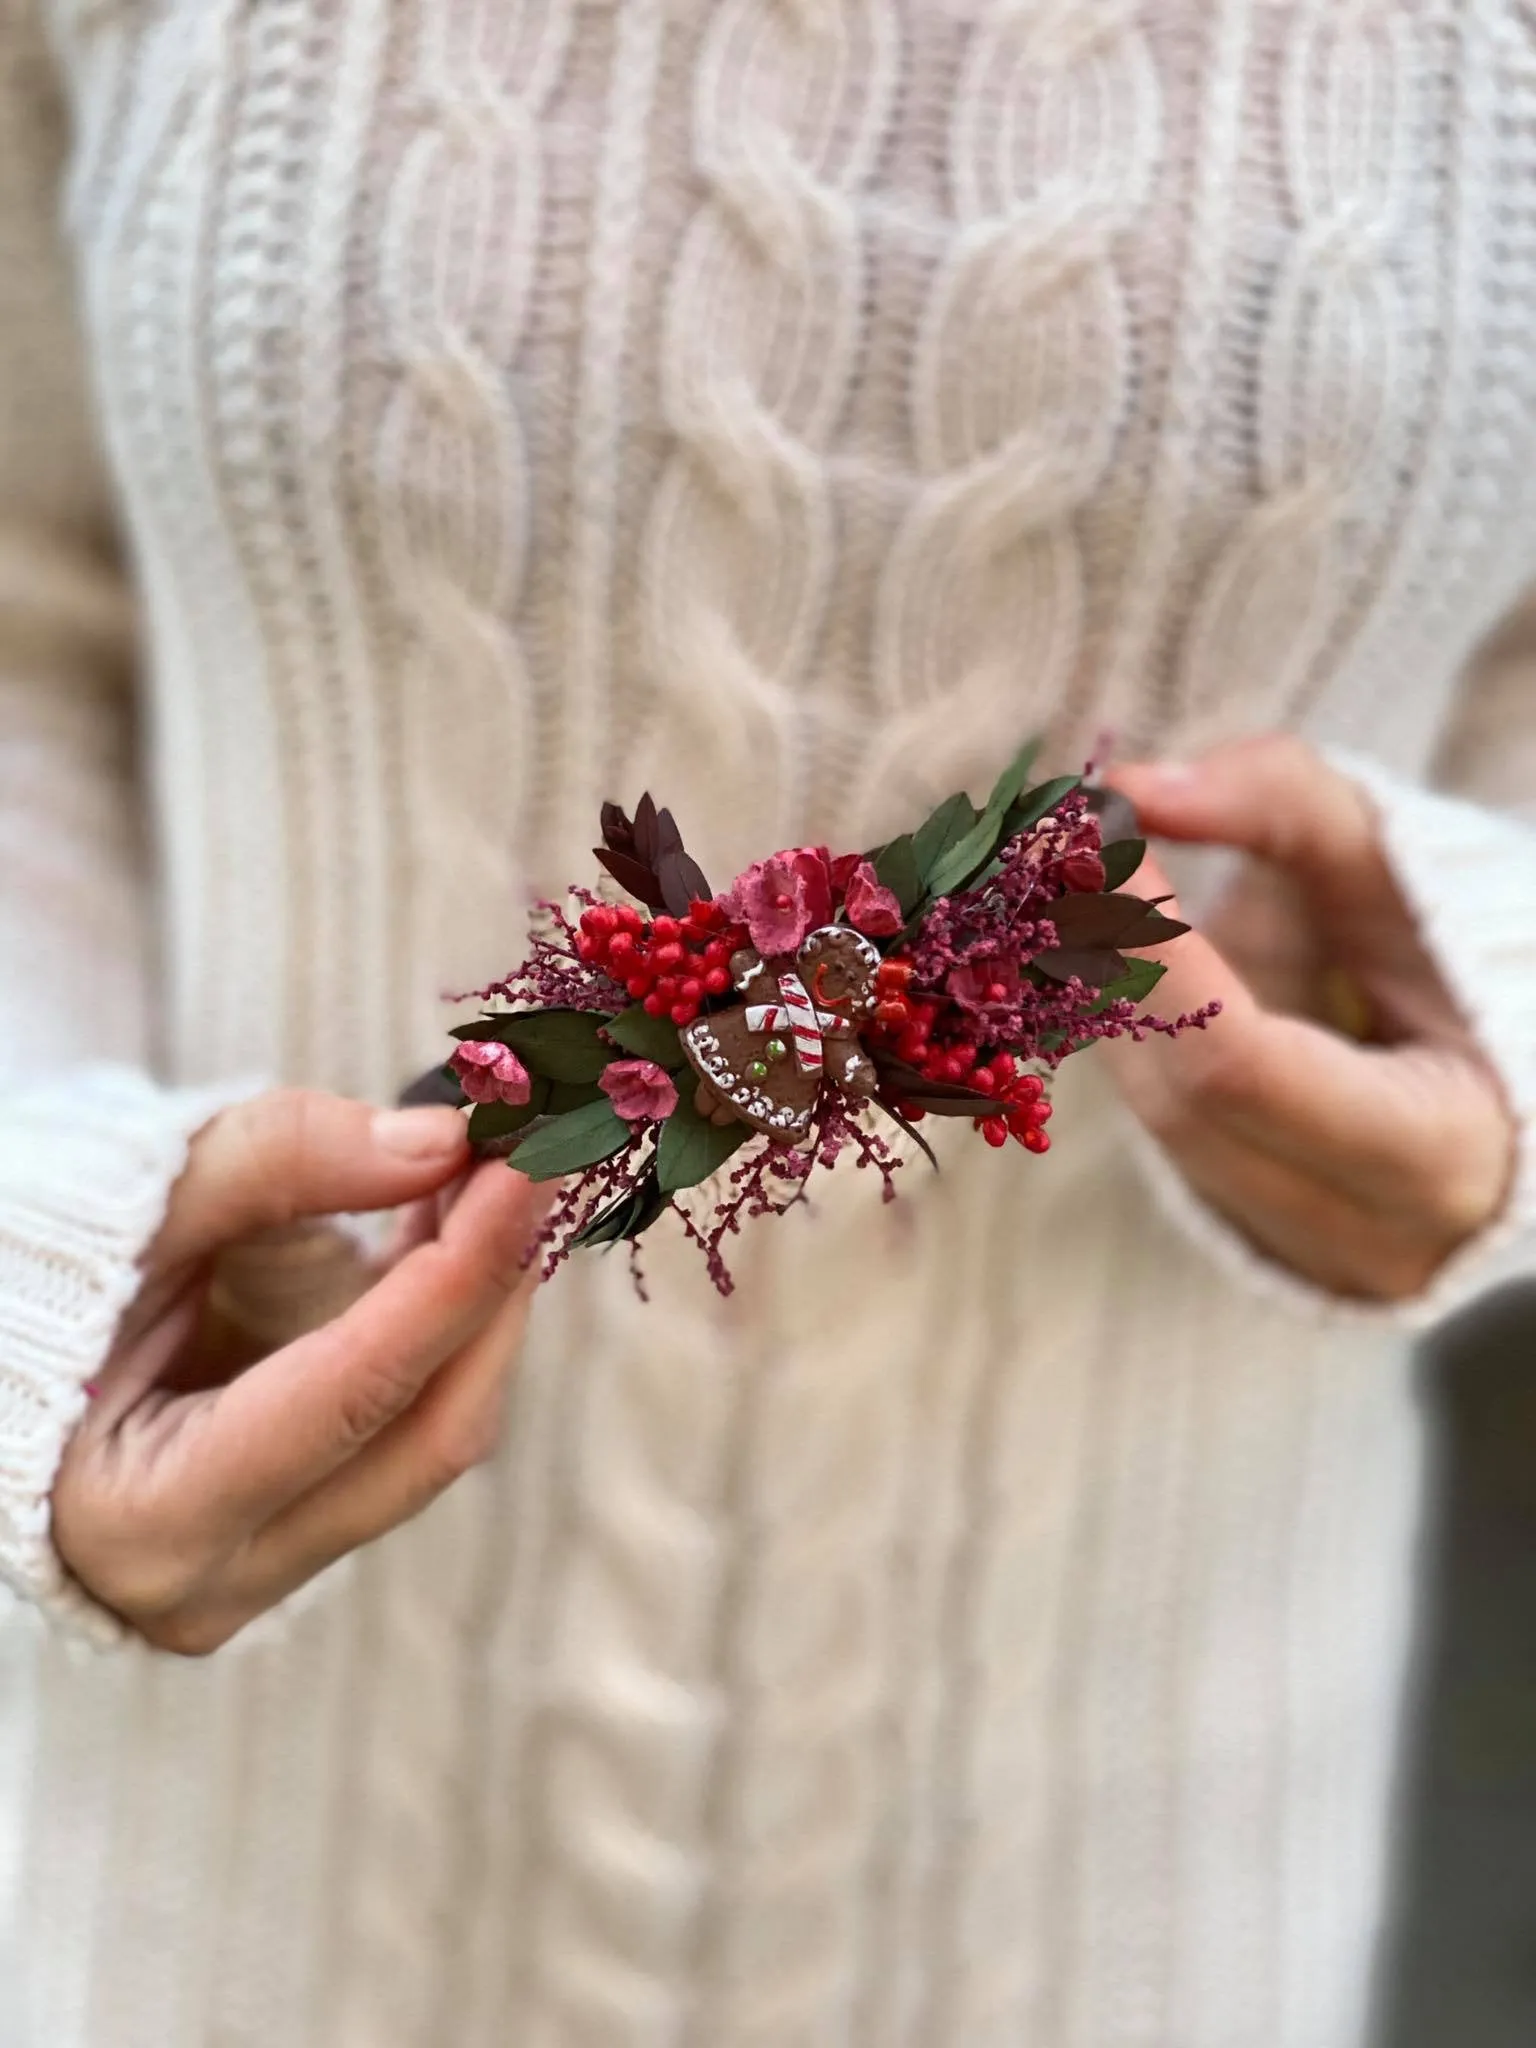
(1338, 1112)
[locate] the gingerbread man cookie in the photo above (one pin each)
(763, 1061)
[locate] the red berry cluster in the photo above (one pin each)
(1023, 1111)
(669, 965)
(907, 1024)
(901, 1018)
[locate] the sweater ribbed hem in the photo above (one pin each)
(86, 1166)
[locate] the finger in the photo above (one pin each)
(1273, 797)
(419, 1222)
(139, 1362)
(414, 1225)
(453, 1426)
(1279, 801)
(292, 1420)
(1288, 1088)
(1195, 975)
(297, 1152)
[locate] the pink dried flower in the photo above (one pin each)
(842, 870)
(872, 908)
(782, 898)
(640, 1091)
(491, 1072)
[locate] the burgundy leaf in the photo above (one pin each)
(616, 828)
(946, 1105)
(1153, 930)
(647, 830)
(911, 1130)
(1120, 920)
(682, 880)
(668, 838)
(906, 1084)
(1096, 966)
(633, 875)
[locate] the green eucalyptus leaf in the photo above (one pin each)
(1134, 986)
(941, 830)
(691, 1148)
(610, 1223)
(651, 1203)
(634, 1211)
(1006, 813)
(1006, 789)
(1122, 857)
(896, 869)
(954, 868)
(565, 1096)
(491, 1120)
(579, 1138)
(645, 1037)
(1034, 803)
(563, 1045)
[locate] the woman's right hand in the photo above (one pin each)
(200, 1488)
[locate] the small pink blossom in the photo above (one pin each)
(782, 898)
(640, 1091)
(491, 1072)
(982, 987)
(872, 908)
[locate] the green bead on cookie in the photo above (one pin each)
(775, 1049)
(757, 1070)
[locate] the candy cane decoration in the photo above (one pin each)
(796, 1014)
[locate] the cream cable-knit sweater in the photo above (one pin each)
(987, 1630)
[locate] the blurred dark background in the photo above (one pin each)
(1461, 1966)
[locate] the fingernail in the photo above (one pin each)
(425, 1133)
(1173, 774)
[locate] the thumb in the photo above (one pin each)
(1194, 974)
(297, 1152)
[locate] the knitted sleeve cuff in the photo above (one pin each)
(1469, 876)
(86, 1168)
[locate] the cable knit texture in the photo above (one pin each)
(988, 1627)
